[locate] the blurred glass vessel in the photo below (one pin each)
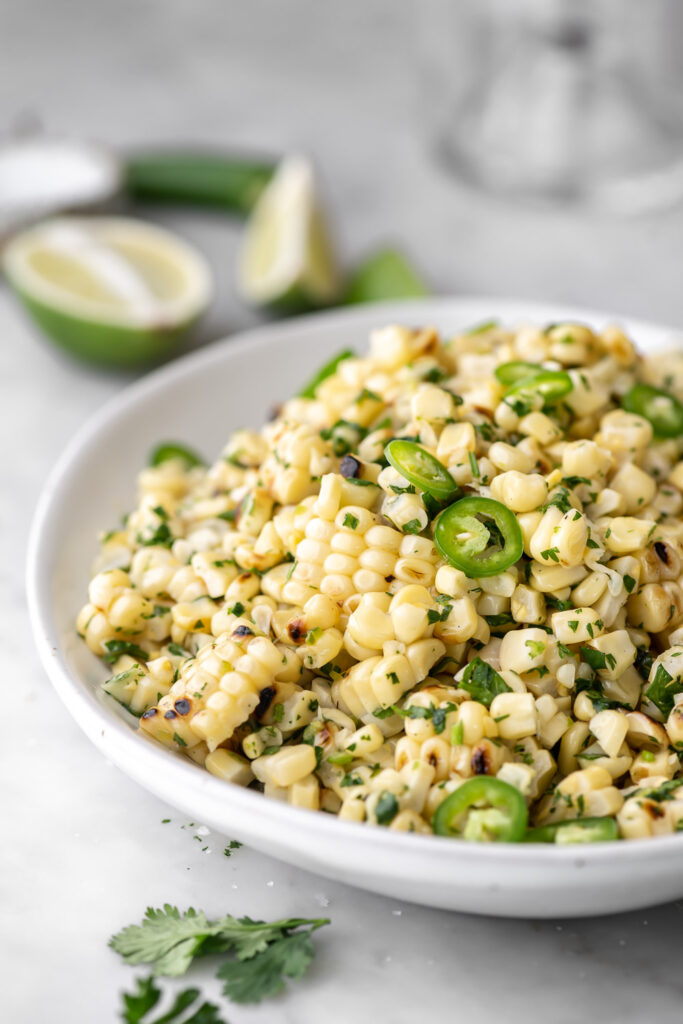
(565, 100)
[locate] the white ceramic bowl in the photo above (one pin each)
(200, 399)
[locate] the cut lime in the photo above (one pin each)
(111, 290)
(386, 274)
(287, 261)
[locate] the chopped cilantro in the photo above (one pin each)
(178, 651)
(386, 808)
(351, 780)
(574, 481)
(116, 648)
(482, 682)
(259, 955)
(663, 689)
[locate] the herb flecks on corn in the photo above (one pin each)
(284, 618)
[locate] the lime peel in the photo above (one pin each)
(111, 290)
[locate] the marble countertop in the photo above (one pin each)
(84, 850)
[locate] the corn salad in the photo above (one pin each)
(447, 561)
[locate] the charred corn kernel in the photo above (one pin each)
(578, 625)
(586, 459)
(523, 650)
(625, 534)
(229, 766)
(527, 606)
(643, 733)
(473, 719)
(650, 608)
(636, 487)
(610, 729)
(520, 492)
(287, 766)
(674, 727)
(305, 793)
(451, 581)
(540, 427)
(658, 764)
(622, 431)
(571, 745)
(521, 776)
(506, 458)
(460, 624)
(515, 715)
(106, 586)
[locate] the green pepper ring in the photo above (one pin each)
(498, 794)
(170, 450)
(309, 390)
(642, 400)
(551, 385)
(516, 370)
(603, 829)
(421, 468)
(460, 518)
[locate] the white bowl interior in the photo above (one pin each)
(199, 400)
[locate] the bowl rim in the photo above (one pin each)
(142, 757)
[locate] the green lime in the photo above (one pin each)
(287, 260)
(111, 290)
(386, 274)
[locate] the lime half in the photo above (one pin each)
(111, 290)
(287, 261)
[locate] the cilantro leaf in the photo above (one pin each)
(663, 689)
(165, 939)
(482, 682)
(263, 954)
(261, 975)
(386, 808)
(118, 647)
(136, 1006)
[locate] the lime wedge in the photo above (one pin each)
(386, 274)
(111, 290)
(287, 261)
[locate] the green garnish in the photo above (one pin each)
(116, 648)
(171, 450)
(261, 954)
(482, 682)
(479, 536)
(386, 808)
(137, 1005)
(420, 468)
(660, 408)
(309, 390)
(663, 689)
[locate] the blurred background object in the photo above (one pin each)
(568, 100)
(153, 80)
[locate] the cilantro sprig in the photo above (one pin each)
(260, 955)
(137, 1005)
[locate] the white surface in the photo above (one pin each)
(85, 494)
(83, 849)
